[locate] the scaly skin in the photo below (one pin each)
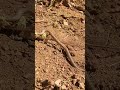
(19, 15)
(89, 84)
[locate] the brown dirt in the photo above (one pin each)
(102, 43)
(17, 55)
(50, 61)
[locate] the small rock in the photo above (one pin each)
(63, 87)
(70, 47)
(74, 76)
(82, 20)
(55, 24)
(38, 20)
(46, 83)
(72, 53)
(51, 87)
(55, 53)
(74, 81)
(78, 84)
(52, 83)
(56, 88)
(65, 22)
(50, 45)
(58, 83)
(82, 85)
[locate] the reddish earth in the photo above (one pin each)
(21, 63)
(68, 26)
(17, 55)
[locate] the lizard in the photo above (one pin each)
(43, 35)
(19, 15)
(89, 84)
(61, 44)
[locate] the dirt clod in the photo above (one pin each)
(58, 83)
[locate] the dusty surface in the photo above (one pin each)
(21, 63)
(17, 56)
(102, 44)
(52, 67)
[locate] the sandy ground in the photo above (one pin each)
(52, 67)
(17, 56)
(45, 63)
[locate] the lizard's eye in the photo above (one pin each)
(43, 36)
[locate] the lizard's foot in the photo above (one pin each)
(41, 35)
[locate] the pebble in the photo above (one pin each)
(58, 83)
(74, 81)
(74, 76)
(82, 85)
(65, 22)
(63, 87)
(77, 83)
(72, 53)
(55, 53)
